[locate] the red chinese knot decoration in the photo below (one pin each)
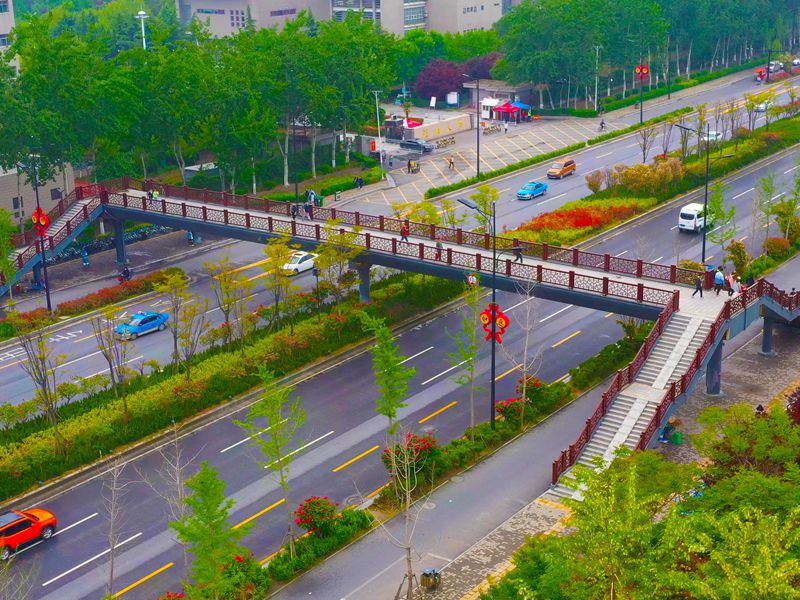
(642, 72)
(40, 221)
(500, 319)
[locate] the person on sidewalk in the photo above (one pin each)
(518, 255)
(451, 164)
(404, 234)
(719, 280)
(505, 127)
(698, 286)
(731, 284)
(307, 210)
(294, 210)
(409, 166)
(439, 248)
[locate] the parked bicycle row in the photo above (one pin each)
(444, 142)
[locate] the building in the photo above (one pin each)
(18, 198)
(6, 22)
(225, 17)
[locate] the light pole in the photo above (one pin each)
(193, 36)
(315, 273)
(380, 140)
(35, 183)
(471, 204)
(477, 128)
(596, 72)
(141, 15)
(708, 170)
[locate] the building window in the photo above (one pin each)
(414, 15)
(3, 40)
(3, 6)
(206, 11)
(55, 194)
(237, 18)
(16, 202)
(283, 12)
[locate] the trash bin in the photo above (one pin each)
(430, 580)
(677, 438)
(337, 196)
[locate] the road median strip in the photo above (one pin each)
(143, 579)
(359, 457)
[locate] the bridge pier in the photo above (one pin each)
(714, 372)
(119, 241)
(363, 281)
(766, 338)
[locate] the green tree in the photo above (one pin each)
(391, 376)
(334, 256)
(466, 352)
(231, 290)
(284, 417)
(276, 279)
(173, 286)
(191, 332)
(762, 204)
(722, 216)
(7, 231)
(486, 198)
(206, 533)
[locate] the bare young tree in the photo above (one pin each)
(702, 119)
(684, 140)
(718, 113)
(750, 103)
(174, 287)
(667, 128)
(191, 331)
(765, 191)
(230, 289)
(334, 256)
(529, 360)
(40, 364)
(114, 490)
(646, 137)
(116, 351)
(735, 117)
(17, 580)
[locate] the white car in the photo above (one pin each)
(711, 136)
(300, 262)
(796, 62)
(775, 65)
(762, 107)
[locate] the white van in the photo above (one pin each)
(691, 218)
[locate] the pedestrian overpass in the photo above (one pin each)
(686, 339)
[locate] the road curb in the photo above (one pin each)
(138, 449)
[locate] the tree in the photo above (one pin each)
(466, 352)
(114, 490)
(485, 197)
(334, 256)
(785, 212)
(762, 204)
(116, 351)
(230, 288)
(646, 137)
(191, 332)
(205, 532)
(667, 127)
(391, 375)
(284, 417)
(173, 286)
(17, 580)
(723, 217)
(7, 268)
(40, 364)
(277, 280)
(438, 78)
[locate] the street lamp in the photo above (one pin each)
(141, 15)
(380, 140)
(596, 72)
(193, 36)
(315, 273)
(708, 168)
(34, 176)
(477, 131)
(472, 205)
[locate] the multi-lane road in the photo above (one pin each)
(341, 423)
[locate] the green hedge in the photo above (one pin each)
(220, 376)
(535, 160)
(312, 548)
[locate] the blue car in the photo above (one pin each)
(532, 189)
(141, 323)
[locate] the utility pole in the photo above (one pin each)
(141, 15)
(596, 72)
(380, 140)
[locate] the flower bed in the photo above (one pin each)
(217, 376)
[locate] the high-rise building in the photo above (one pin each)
(6, 22)
(225, 17)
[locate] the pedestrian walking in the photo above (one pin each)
(719, 280)
(738, 285)
(505, 126)
(409, 166)
(517, 254)
(451, 164)
(731, 280)
(307, 210)
(698, 286)
(404, 234)
(750, 281)
(439, 248)
(391, 161)
(294, 210)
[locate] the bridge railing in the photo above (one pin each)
(477, 261)
(544, 252)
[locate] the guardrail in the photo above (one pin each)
(545, 252)
(63, 205)
(637, 292)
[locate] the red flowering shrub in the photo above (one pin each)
(776, 247)
(593, 217)
(245, 575)
(418, 448)
(317, 515)
(510, 410)
(793, 406)
(770, 138)
(172, 596)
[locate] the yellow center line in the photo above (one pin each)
(244, 268)
(438, 412)
(708, 258)
(274, 554)
(611, 314)
(376, 492)
(83, 339)
(511, 370)
(562, 378)
(359, 457)
(566, 339)
(10, 364)
(142, 580)
(744, 238)
(259, 513)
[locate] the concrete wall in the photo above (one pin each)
(436, 129)
(48, 193)
(226, 17)
(459, 16)
(6, 21)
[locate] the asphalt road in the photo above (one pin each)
(341, 426)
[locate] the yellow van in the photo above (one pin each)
(561, 169)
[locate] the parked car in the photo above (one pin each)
(18, 528)
(796, 62)
(561, 169)
(141, 323)
(531, 190)
(711, 136)
(417, 145)
(300, 262)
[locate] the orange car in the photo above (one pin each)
(18, 528)
(561, 168)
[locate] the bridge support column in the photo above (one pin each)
(37, 274)
(766, 338)
(119, 241)
(714, 372)
(363, 282)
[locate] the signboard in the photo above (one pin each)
(433, 101)
(472, 279)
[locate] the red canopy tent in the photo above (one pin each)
(506, 108)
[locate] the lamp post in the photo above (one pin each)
(596, 72)
(380, 139)
(141, 15)
(471, 204)
(34, 175)
(477, 131)
(194, 37)
(708, 170)
(315, 273)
